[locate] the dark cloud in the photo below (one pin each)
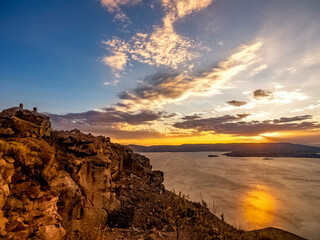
(237, 103)
(107, 116)
(114, 132)
(243, 115)
(156, 86)
(201, 124)
(123, 105)
(191, 117)
(231, 125)
(259, 93)
(292, 119)
(105, 122)
(167, 115)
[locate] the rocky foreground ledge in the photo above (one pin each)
(70, 185)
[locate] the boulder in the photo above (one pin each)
(51, 232)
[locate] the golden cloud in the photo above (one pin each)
(164, 88)
(163, 46)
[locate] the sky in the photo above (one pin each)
(155, 72)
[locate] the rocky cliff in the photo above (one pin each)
(52, 183)
(70, 185)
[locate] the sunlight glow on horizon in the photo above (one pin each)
(205, 139)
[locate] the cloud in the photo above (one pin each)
(163, 46)
(158, 88)
(114, 82)
(277, 96)
(181, 8)
(167, 115)
(203, 124)
(309, 107)
(117, 61)
(168, 87)
(237, 103)
(111, 122)
(114, 5)
(121, 17)
(191, 117)
(229, 124)
(243, 115)
(108, 116)
(259, 69)
(292, 119)
(259, 93)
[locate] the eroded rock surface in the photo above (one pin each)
(55, 183)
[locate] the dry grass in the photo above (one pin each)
(27, 151)
(15, 150)
(89, 232)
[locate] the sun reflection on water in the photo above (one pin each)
(259, 205)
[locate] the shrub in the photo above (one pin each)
(178, 211)
(89, 232)
(15, 150)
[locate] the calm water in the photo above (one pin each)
(251, 192)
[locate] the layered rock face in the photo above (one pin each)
(53, 184)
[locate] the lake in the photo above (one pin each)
(250, 192)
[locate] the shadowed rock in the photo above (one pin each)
(60, 180)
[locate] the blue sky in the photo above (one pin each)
(137, 70)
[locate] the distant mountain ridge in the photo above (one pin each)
(239, 149)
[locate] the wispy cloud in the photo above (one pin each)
(112, 122)
(292, 119)
(108, 116)
(261, 98)
(278, 96)
(117, 61)
(309, 107)
(165, 87)
(229, 124)
(113, 83)
(191, 117)
(114, 5)
(163, 46)
(259, 69)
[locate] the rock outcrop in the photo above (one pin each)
(70, 185)
(53, 184)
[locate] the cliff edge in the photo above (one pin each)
(71, 185)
